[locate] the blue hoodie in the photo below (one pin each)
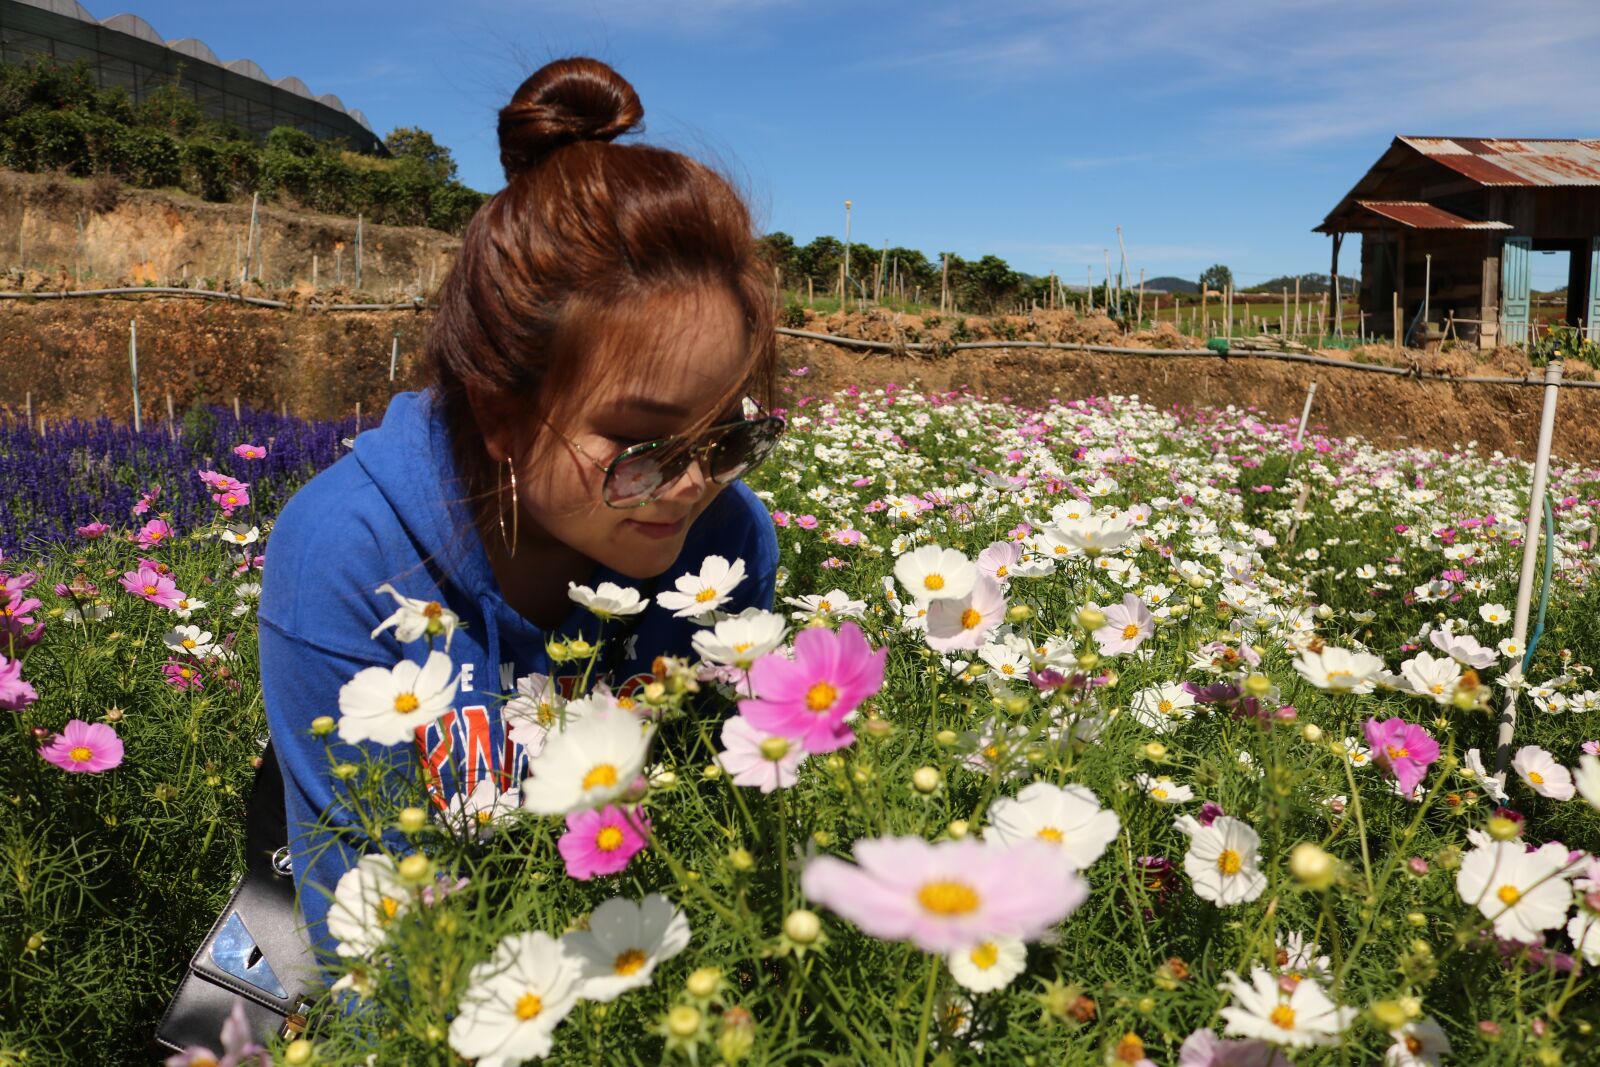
(391, 511)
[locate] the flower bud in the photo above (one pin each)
(738, 1036)
(957, 828)
(1091, 618)
(412, 819)
(802, 926)
(345, 771)
(1154, 750)
(1324, 612)
(1311, 732)
(925, 779)
(415, 868)
(1416, 918)
(1015, 705)
(946, 737)
(1018, 613)
(683, 1021)
(299, 1053)
(1312, 867)
(775, 748)
(1388, 1015)
(322, 726)
(741, 859)
(703, 983)
(1503, 829)
(876, 727)
(823, 838)
(1258, 685)
(1088, 660)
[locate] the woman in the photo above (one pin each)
(589, 371)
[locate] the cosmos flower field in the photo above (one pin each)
(1082, 735)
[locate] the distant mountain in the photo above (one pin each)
(1169, 284)
(1309, 283)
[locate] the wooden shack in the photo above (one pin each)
(1448, 226)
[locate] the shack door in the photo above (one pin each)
(1514, 292)
(1592, 319)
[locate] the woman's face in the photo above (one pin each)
(693, 345)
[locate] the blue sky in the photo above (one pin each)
(1215, 132)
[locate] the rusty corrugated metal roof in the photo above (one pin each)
(1515, 162)
(1424, 216)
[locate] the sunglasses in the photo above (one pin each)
(640, 473)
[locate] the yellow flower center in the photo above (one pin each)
(600, 775)
(1397, 752)
(186, 673)
(1341, 680)
(1283, 1017)
(529, 1005)
(483, 816)
(628, 962)
(1001, 571)
(608, 839)
(406, 703)
(388, 908)
(81, 754)
(1229, 862)
(1049, 833)
(823, 605)
(948, 898)
(1413, 1045)
(1159, 793)
(971, 618)
(708, 593)
(189, 643)
(1536, 778)
(1130, 631)
(985, 956)
(625, 703)
(743, 647)
(1358, 757)
(432, 609)
(149, 590)
(933, 581)
(821, 697)
(1509, 895)
(1007, 669)
(1165, 707)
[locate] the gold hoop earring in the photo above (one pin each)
(499, 499)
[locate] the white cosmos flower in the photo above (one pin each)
(703, 593)
(1164, 789)
(1472, 769)
(187, 607)
(1356, 754)
(988, 965)
(590, 763)
(1524, 893)
(1303, 1018)
(515, 1000)
(474, 814)
(1542, 773)
(1221, 862)
(754, 757)
(742, 639)
(1463, 648)
(415, 618)
(1163, 708)
(190, 640)
(1587, 779)
(1339, 670)
(1093, 535)
(240, 534)
(97, 612)
(965, 622)
(1069, 817)
(387, 704)
(610, 601)
(835, 604)
(933, 572)
(1422, 1043)
(537, 709)
(1494, 614)
(1432, 677)
(366, 900)
(623, 943)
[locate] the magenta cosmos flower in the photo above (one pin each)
(149, 584)
(84, 747)
(1128, 625)
(182, 675)
(93, 531)
(15, 694)
(807, 698)
(950, 895)
(153, 534)
(600, 842)
(1403, 749)
(249, 451)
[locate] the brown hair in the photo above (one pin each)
(566, 256)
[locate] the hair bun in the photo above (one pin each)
(563, 102)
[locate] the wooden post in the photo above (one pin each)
(313, 270)
(250, 244)
(1205, 317)
(236, 407)
(133, 368)
(1299, 326)
(1399, 341)
(394, 357)
(1283, 322)
(1227, 296)
(30, 410)
(1427, 284)
(1333, 273)
(358, 416)
(172, 432)
(811, 293)
(359, 225)
(1112, 300)
(1141, 296)
(944, 281)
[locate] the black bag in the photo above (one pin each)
(256, 952)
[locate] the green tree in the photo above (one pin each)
(990, 280)
(1216, 277)
(408, 142)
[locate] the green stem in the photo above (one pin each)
(927, 1012)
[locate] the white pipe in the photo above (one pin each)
(1530, 555)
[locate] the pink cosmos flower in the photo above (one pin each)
(218, 481)
(15, 694)
(238, 1050)
(950, 895)
(147, 499)
(93, 531)
(1403, 749)
(807, 522)
(182, 675)
(756, 758)
(1127, 626)
(965, 622)
(231, 499)
(153, 534)
(997, 560)
(808, 698)
(84, 748)
(1204, 1048)
(600, 842)
(248, 451)
(148, 584)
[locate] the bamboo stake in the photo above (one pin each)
(1298, 330)
(1530, 553)
(1399, 341)
(313, 270)
(172, 433)
(236, 407)
(394, 357)
(358, 416)
(133, 368)
(250, 244)
(359, 226)
(1141, 296)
